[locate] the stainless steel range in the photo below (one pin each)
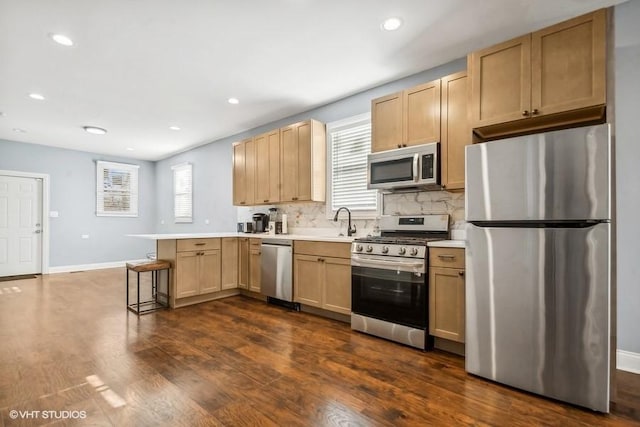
(389, 286)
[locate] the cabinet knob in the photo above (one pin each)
(525, 113)
(320, 259)
(534, 111)
(399, 145)
(265, 201)
(404, 145)
(461, 273)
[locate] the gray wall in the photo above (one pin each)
(627, 110)
(212, 193)
(73, 194)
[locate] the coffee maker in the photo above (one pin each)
(260, 223)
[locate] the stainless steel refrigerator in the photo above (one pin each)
(538, 263)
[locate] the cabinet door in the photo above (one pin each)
(262, 168)
(239, 178)
(386, 122)
(254, 268)
(273, 140)
(337, 285)
(187, 284)
(229, 264)
(289, 163)
(447, 303)
(209, 271)
(501, 82)
(250, 171)
(303, 131)
(456, 132)
(307, 289)
(243, 262)
(569, 64)
(421, 113)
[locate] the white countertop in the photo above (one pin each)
(175, 236)
(447, 244)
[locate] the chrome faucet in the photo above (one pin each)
(350, 231)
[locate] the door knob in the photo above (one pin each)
(37, 231)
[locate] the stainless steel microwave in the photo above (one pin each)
(405, 168)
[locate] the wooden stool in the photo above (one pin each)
(154, 303)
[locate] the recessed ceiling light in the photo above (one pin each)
(233, 101)
(391, 24)
(36, 96)
(61, 39)
(174, 128)
(94, 130)
(19, 130)
(129, 149)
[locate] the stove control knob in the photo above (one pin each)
(369, 248)
(385, 249)
(359, 248)
(402, 251)
(414, 251)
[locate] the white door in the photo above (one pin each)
(20, 225)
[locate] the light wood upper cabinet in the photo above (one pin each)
(229, 264)
(456, 132)
(568, 69)
(447, 293)
(501, 82)
(386, 122)
(421, 113)
(268, 167)
(244, 172)
(303, 162)
(550, 78)
(410, 117)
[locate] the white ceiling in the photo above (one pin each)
(140, 66)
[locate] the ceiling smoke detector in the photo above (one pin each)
(391, 24)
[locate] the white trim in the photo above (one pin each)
(96, 266)
(45, 212)
(628, 361)
(330, 127)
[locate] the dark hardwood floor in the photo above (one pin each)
(67, 343)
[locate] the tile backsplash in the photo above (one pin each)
(304, 218)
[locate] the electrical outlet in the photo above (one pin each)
(206, 221)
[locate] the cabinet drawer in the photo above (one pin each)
(185, 245)
(446, 257)
(328, 249)
(255, 243)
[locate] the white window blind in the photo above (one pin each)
(183, 192)
(116, 189)
(350, 142)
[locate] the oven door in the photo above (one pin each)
(393, 295)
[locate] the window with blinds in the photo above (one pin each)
(116, 189)
(183, 192)
(349, 142)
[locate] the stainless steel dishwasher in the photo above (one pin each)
(276, 271)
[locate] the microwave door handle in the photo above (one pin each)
(416, 158)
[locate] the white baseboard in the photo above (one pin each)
(96, 266)
(628, 361)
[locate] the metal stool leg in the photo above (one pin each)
(138, 308)
(127, 272)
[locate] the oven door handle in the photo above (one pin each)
(415, 266)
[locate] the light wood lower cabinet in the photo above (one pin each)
(255, 263)
(447, 293)
(197, 272)
(229, 267)
(322, 281)
(243, 263)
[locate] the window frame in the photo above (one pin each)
(331, 127)
(175, 169)
(101, 166)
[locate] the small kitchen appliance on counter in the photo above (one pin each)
(389, 279)
(260, 223)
